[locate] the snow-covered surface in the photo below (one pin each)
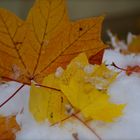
(126, 89)
(15, 104)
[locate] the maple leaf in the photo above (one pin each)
(8, 128)
(82, 90)
(73, 92)
(46, 40)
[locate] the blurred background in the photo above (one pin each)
(122, 16)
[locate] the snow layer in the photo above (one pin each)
(126, 89)
(15, 104)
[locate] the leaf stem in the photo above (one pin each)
(29, 84)
(114, 65)
(91, 129)
(64, 119)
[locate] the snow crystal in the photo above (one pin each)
(89, 69)
(130, 38)
(117, 44)
(59, 72)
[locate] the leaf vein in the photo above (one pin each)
(66, 49)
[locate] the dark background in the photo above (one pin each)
(122, 16)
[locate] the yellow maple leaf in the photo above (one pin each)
(80, 92)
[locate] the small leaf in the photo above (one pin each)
(132, 69)
(8, 128)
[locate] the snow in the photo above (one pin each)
(15, 104)
(89, 68)
(120, 44)
(120, 59)
(59, 72)
(126, 89)
(117, 45)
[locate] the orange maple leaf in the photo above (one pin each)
(131, 69)
(8, 127)
(47, 39)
